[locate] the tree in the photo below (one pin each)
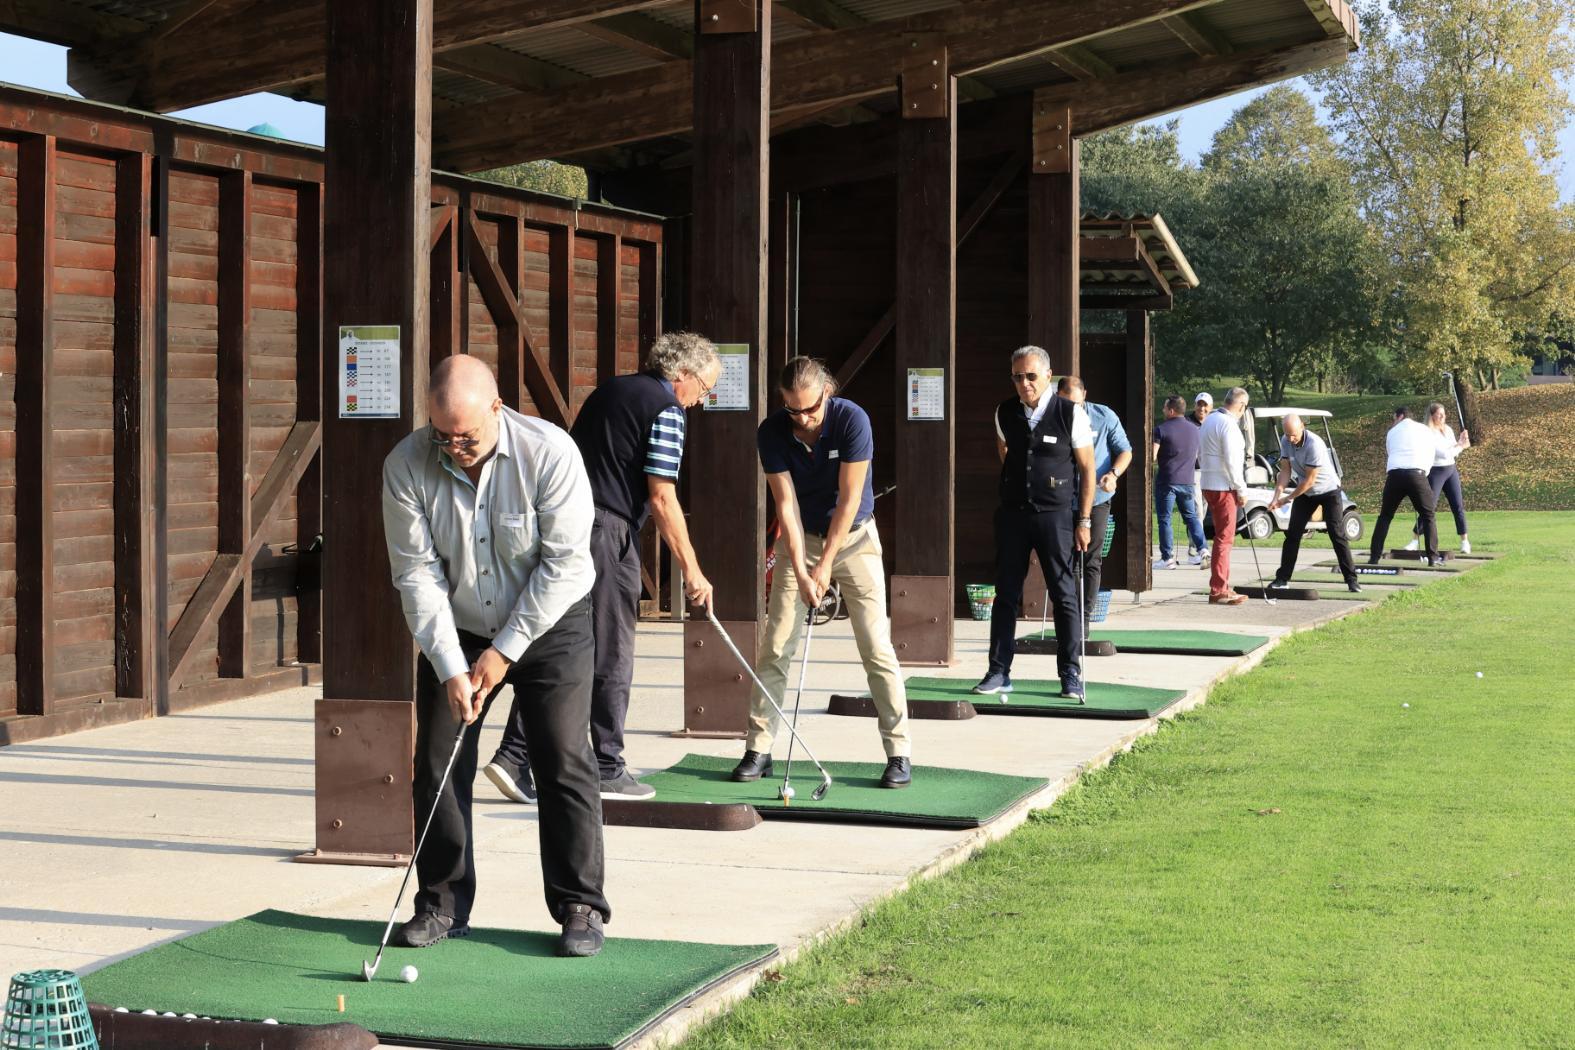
(543, 176)
(1449, 117)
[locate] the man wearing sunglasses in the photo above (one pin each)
(487, 516)
(631, 433)
(1046, 445)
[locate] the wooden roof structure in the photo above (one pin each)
(1130, 262)
(608, 83)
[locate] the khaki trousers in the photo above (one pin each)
(862, 577)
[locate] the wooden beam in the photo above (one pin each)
(1053, 263)
(282, 44)
(849, 65)
(447, 308)
(1080, 62)
(1126, 303)
(560, 296)
(309, 408)
(139, 514)
(223, 579)
(641, 34)
(650, 295)
(511, 333)
(505, 68)
(234, 415)
(818, 14)
(35, 457)
(51, 22)
(1191, 29)
(183, 16)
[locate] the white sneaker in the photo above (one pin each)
(1195, 559)
(1164, 563)
(1465, 545)
(1413, 545)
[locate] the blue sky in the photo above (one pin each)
(43, 66)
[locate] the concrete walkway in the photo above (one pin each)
(117, 839)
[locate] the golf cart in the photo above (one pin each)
(1259, 522)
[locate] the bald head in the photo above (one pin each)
(1294, 427)
(463, 403)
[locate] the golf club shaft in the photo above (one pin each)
(803, 670)
(1455, 390)
(1253, 546)
(727, 639)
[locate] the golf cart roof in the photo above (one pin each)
(1281, 413)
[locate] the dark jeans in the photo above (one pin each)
(1179, 496)
(1445, 481)
(1094, 558)
(615, 608)
(1050, 535)
(1302, 507)
(553, 681)
(1412, 485)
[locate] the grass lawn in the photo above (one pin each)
(1301, 862)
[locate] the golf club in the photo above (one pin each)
(825, 777)
(1253, 544)
(1082, 624)
(369, 970)
(785, 792)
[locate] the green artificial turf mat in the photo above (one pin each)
(1330, 579)
(1405, 566)
(1182, 643)
(493, 988)
(1337, 595)
(1029, 697)
(938, 796)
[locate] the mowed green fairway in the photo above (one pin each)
(1301, 862)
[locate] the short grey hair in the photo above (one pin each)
(1235, 396)
(1031, 351)
(674, 354)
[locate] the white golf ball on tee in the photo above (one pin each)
(409, 975)
(788, 792)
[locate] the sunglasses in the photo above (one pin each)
(453, 441)
(802, 412)
(1025, 377)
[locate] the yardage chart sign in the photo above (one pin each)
(926, 393)
(731, 393)
(369, 372)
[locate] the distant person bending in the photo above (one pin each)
(1444, 478)
(1305, 458)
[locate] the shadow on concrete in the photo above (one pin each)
(120, 752)
(238, 789)
(82, 918)
(155, 845)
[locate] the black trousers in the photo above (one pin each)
(1445, 482)
(1302, 507)
(1050, 535)
(1411, 485)
(552, 684)
(615, 609)
(1094, 558)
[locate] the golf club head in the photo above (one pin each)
(820, 792)
(368, 970)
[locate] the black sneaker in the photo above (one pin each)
(899, 773)
(994, 682)
(516, 787)
(1279, 585)
(625, 786)
(582, 932)
(1072, 686)
(754, 766)
(1353, 586)
(426, 929)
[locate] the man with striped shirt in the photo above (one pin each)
(630, 432)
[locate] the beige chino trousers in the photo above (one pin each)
(862, 577)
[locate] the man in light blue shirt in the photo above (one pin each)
(1112, 457)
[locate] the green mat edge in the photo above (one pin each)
(1150, 650)
(1327, 596)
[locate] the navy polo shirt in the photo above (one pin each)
(844, 438)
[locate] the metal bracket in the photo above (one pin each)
(716, 689)
(926, 79)
(728, 16)
(921, 619)
(364, 772)
(1052, 138)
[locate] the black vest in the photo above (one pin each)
(611, 431)
(1039, 471)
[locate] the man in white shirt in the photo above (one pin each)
(1222, 453)
(1411, 447)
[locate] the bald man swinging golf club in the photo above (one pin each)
(1305, 457)
(487, 515)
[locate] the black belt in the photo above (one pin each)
(856, 527)
(1408, 470)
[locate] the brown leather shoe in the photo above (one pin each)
(1227, 599)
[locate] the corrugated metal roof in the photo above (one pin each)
(1156, 238)
(576, 50)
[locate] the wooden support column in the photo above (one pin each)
(309, 406)
(139, 513)
(235, 431)
(447, 309)
(728, 271)
(1128, 567)
(650, 296)
(377, 252)
(560, 316)
(609, 299)
(35, 468)
(1053, 218)
(922, 599)
(511, 331)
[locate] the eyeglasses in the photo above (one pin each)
(1025, 377)
(704, 389)
(811, 410)
(453, 440)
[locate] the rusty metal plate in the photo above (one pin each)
(365, 765)
(921, 619)
(728, 16)
(716, 688)
(925, 84)
(1035, 591)
(685, 816)
(864, 707)
(1052, 137)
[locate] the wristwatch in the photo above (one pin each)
(1085, 523)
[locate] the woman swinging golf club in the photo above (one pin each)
(816, 453)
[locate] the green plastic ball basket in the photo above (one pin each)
(46, 1010)
(981, 600)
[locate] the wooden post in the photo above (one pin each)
(376, 258)
(922, 588)
(1129, 566)
(1053, 220)
(650, 296)
(609, 297)
(447, 310)
(235, 431)
(35, 470)
(309, 406)
(728, 270)
(560, 317)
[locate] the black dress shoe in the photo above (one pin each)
(899, 773)
(754, 766)
(426, 929)
(582, 932)
(1352, 586)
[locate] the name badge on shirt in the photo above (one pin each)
(833, 454)
(513, 521)
(1049, 439)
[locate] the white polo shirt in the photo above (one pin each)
(1411, 446)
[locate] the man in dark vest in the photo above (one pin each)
(1046, 447)
(630, 432)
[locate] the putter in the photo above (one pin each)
(1259, 568)
(825, 777)
(369, 970)
(785, 792)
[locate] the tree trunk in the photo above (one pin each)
(1493, 377)
(1467, 408)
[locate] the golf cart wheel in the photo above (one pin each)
(1259, 525)
(830, 608)
(1351, 526)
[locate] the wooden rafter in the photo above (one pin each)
(1080, 63)
(504, 68)
(1198, 35)
(642, 34)
(850, 65)
(183, 16)
(43, 20)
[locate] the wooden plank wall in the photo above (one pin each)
(69, 279)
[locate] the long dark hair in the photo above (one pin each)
(802, 372)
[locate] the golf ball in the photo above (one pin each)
(409, 975)
(788, 792)
(1405, 705)
(1479, 674)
